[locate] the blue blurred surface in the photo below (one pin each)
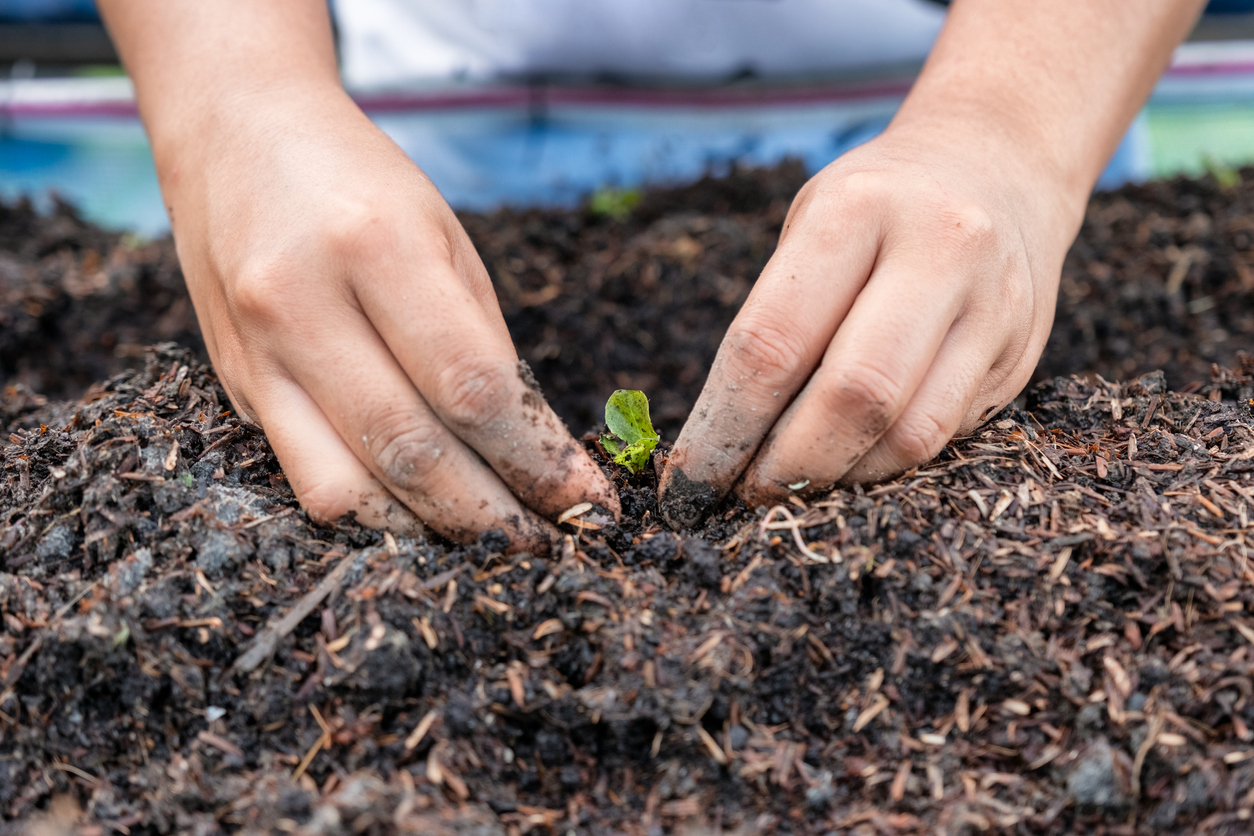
(482, 158)
(102, 165)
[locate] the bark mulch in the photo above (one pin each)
(1047, 629)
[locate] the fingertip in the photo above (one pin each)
(529, 533)
(685, 502)
(871, 473)
(388, 513)
(756, 493)
(573, 478)
(609, 504)
(596, 488)
(369, 504)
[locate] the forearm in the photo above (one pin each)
(194, 61)
(1060, 82)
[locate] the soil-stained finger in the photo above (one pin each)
(375, 409)
(870, 372)
(936, 412)
(467, 371)
(969, 382)
(769, 352)
(327, 477)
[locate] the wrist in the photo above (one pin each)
(1010, 157)
(214, 125)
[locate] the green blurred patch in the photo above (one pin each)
(99, 71)
(1194, 138)
(1225, 175)
(610, 202)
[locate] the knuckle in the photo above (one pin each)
(263, 293)
(471, 392)
(823, 201)
(854, 194)
(408, 451)
(866, 393)
(360, 231)
(862, 189)
(763, 350)
(968, 228)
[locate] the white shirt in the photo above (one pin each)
(396, 43)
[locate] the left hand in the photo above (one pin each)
(909, 299)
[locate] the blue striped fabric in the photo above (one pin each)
(51, 11)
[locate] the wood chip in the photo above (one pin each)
(1060, 563)
(1018, 707)
(898, 789)
(262, 647)
(574, 511)
(420, 731)
(548, 628)
(943, 650)
(711, 744)
(962, 711)
(870, 713)
(220, 743)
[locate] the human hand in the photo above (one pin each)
(347, 312)
(909, 299)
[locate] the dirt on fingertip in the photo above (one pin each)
(1049, 629)
(684, 502)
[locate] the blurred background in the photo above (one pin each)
(68, 124)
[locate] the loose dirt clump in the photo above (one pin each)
(1047, 629)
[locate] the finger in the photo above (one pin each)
(327, 477)
(940, 407)
(469, 373)
(467, 264)
(468, 269)
(771, 348)
(962, 390)
(870, 372)
(374, 407)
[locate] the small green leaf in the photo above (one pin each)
(122, 636)
(633, 437)
(627, 416)
(610, 444)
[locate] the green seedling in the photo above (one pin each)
(614, 203)
(631, 438)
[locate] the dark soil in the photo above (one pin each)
(1046, 630)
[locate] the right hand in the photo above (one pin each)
(347, 313)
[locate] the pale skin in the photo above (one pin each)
(347, 312)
